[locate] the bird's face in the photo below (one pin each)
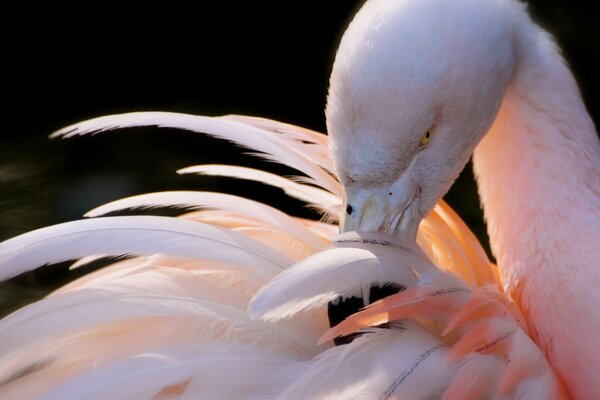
(408, 103)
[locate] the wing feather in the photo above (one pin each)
(274, 147)
(136, 235)
(291, 131)
(384, 364)
(219, 372)
(313, 144)
(323, 277)
(315, 197)
(220, 201)
(475, 379)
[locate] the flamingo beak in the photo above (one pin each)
(391, 212)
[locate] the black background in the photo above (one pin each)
(62, 65)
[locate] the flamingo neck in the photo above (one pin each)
(538, 172)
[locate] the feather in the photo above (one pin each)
(323, 277)
(543, 386)
(431, 301)
(220, 371)
(272, 237)
(208, 279)
(225, 219)
(475, 379)
(273, 147)
(163, 276)
(45, 364)
(84, 261)
(481, 306)
(313, 144)
(98, 307)
(391, 363)
(466, 240)
(360, 260)
(135, 235)
(445, 235)
(53, 316)
(315, 197)
(220, 201)
(524, 361)
(290, 131)
(486, 336)
(324, 229)
(129, 266)
(293, 248)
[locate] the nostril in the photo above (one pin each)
(349, 209)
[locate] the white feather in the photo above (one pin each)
(130, 266)
(315, 197)
(290, 131)
(173, 281)
(219, 372)
(53, 317)
(136, 235)
(313, 144)
(45, 363)
(219, 201)
(325, 276)
(326, 230)
(360, 260)
(273, 147)
(272, 237)
(386, 364)
(82, 262)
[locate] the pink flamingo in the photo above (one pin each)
(538, 166)
(416, 88)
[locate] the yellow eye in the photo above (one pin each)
(426, 138)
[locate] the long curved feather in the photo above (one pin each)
(217, 372)
(384, 364)
(290, 131)
(315, 197)
(332, 273)
(313, 144)
(48, 319)
(226, 202)
(135, 235)
(275, 148)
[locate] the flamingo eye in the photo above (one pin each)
(426, 138)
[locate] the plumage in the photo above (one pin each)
(195, 200)
(232, 299)
(324, 277)
(318, 198)
(272, 147)
(293, 302)
(146, 375)
(370, 368)
(136, 235)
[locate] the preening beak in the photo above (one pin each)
(391, 212)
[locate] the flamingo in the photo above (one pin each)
(417, 87)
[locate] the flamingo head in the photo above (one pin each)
(414, 87)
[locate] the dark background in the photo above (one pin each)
(65, 65)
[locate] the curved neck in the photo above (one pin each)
(539, 164)
(538, 172)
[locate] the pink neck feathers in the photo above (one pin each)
(538, 172)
